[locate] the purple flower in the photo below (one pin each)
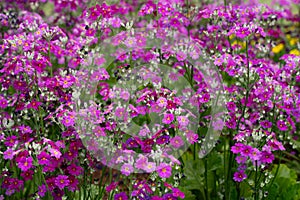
(266, 124)
(266, 157)
(62, 181)
(8, 154)
(168, 118)
(121, 196)
(176, 141)
(281, 125)
(192, 137)
(42, 190)
(141, 162)
(239, 176)
(25, 163)
(74, 169)
(246, 150)
(181, 56)
(126, 169)
(183, 121)
(55, 153)
(43, 158)
(177, 193)
(161, 102)
(150, 167)
(164, 170)
(163, 139)
(237, 148)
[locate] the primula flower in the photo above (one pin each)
(8, 154)
(73, 183)
(25, 163)
(168, 118)
(164, 139)
(183, 121)
(150, 167)
(164, 170)
(281, 125)
(42, 190)
(43, 158)
(126, 169)
(74, 170)
(61, 181)
(161, 102)
(176, 141)
(177, 193)
(239, 176)
(55, 153)
(266, 157)
(27, 175)
(121, 196)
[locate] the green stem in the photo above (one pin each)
(255, 182)
(206, 181)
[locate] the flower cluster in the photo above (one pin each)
(135, 90)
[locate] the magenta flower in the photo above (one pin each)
(25, 163)
(126, 169)
(192, 137)
(55, 153)
(176, 141)
(237, 148)
(246, 150)
(42, 190)
(266, 157)
(74, 169)
(164, 170)
(177, 193)
(266, 124)
(121, 196)
(239, 176)
(61, 181)
(27, 175)
(281, 125)
(161, 102)
(181, 56)
(43, 158)
(8, 154)
(168, 118)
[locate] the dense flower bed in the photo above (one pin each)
(166, 99)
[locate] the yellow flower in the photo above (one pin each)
(277, 48)
(295, 52)
(293, 41)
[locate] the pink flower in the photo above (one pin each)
(164, 170)
(192, 137)
(8, 154)
(281, 125)
(74, 169)
(25, 163)
(43, 158)
(161, 102)
(239, 176)
(150, 167)
(176, 141)
(42, 190)
(177, 193)
(183, 121)
(126, 169)
(62, 181)
(56, 153)
(266, 157)
(181, 56)
(168, 118)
